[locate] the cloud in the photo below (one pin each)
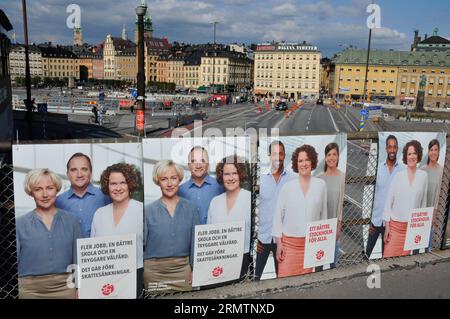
(326, 23)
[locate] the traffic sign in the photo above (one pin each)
(364, 113)
(134, 93)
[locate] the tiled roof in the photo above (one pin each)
(394, 58)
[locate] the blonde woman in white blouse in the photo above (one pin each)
(300, 202)
(407, 191)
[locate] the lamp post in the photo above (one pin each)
(215, 23)
(28, 103)
(362, 125)
(140, 109)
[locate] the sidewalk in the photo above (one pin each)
(336, 277)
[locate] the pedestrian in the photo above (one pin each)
(95, 111)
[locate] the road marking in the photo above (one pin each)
(351, 123)
(332, 119)
(279, 122)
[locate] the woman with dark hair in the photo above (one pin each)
(124, 215)
(434, 172)
(300, 202)
(407, 191)
(235, 204)
(335, 181)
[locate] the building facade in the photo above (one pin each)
(175, 71)
(98, 70)
(17, 61)
(58, 62)
(154, 48)
(126, 65)
(433, 43)
(162, 69)
(112, 49)
(287, 70)
(229, 69)
(394, 76)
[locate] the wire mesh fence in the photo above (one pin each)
(362, 159)
(8, 259)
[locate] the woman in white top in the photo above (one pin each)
(407, 191)
(235, 204)
(124, 216)
(334, 178)
(300, 202)
(434, 171)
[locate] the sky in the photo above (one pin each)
(328, 24)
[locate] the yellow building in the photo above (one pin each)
(162, 69)
(58, 62)
(175, 71)
(154, 48)
(126, 65)
(226, 68)
(394, 76)
(112, 48)
(191, 75)
(288, 70)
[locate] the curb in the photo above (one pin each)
(254, 290)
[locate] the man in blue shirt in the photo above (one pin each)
(201, 188)
(385, 175)
(82, 199)
(271, 183)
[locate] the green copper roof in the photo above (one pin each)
(393, 58)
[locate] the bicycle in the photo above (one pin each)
(106, 120)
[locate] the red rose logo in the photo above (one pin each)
(107, 289)
(217, 271)
(418, 239)
(320, 254)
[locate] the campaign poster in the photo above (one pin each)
(190, 183)
(446, 239)
(218, 253)
(408, 184)
(107, 267)
(302, 181)
(419, 228)
(67, 192)
(320, 243)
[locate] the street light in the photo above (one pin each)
(141, 10)
(215, 23)
(28, 103)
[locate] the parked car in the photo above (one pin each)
(319, 101)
